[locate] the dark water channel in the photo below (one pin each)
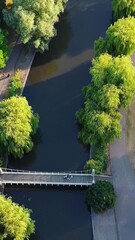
(54, 91)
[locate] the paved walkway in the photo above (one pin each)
(124, 184)
(20, 58)
(119, 224)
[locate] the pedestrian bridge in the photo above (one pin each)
(22, 177)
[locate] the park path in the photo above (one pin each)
(119, 224)
(20, 58)
(124, 184)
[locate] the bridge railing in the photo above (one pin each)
(27, 171)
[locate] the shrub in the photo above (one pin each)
(93, 164)
(99, 161)
(100, 154)
(15, 85)
(100, 196)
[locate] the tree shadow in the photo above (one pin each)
(29, 158)
(59, 44)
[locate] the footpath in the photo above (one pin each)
(21, 58)
(119, 224)
(124, 184)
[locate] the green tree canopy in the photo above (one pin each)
(105, 98)
(15, 221)
(4, 49)
(17, 124)
(34, 20)
(123, 8)
(100, 196)
(98, 127)
(2, 6)
(119, 38)
(118, 71)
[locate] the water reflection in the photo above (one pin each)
(81, 25)
(57, 68)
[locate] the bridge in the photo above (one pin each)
(24, 177)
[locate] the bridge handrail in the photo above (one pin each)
(27, 171)
(8, 170)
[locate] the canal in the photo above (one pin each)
(54, 91)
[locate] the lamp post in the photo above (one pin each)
(93, 174)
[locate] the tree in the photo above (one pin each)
(106, 98)
(119, 38)
(100, 196)
(34, 20)
(17, 124)
(93, 164)
(4, 48)
(123, 8)
(100, 46)
(15, 221)
(2, 6)
(118, 71)
(98, 127)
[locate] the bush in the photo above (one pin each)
(100, 154)
(100, 196)
(99, 161)
(93, 164)
(15, 85)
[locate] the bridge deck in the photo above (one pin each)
(43, 178)
(46, 179)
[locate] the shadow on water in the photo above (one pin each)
(29, 159)
(81, 23)
(74, 223)
(59, 44)
(56, 102)
(73, 46)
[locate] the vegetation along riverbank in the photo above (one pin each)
(19, 117)
(112, 87)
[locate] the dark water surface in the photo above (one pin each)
(54, 91)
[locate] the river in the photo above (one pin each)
(54, 91)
